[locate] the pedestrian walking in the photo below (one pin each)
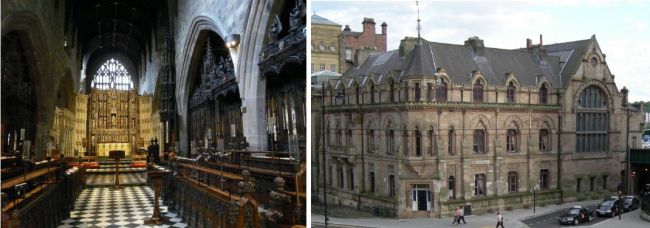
(456, 216)
(461, 214)
(499, 220)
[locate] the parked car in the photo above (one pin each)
(608, 208)
(576, 215)
(630, 203)
(645, 191)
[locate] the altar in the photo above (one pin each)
(104, 148)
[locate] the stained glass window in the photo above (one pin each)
(112, 75)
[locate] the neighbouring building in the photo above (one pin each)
(421, 130)
(325, 45)
(357, 46)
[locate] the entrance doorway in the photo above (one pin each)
(421, 196)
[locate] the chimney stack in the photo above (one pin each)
(347, 28)
(383, 28)
(476, 44)
(368, 25)
(529, 43)
(540, 40)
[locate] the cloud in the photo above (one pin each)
(619, 27)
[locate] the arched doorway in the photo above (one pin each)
(19, 102)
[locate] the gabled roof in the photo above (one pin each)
(569, 54)
(315, 19)
(557, 62)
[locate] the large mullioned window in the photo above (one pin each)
(112, 75)
(592, 119)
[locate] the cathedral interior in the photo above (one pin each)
(174, 113)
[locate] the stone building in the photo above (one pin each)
(325, 45)
(357, 46)
(431, 126)
(84, 79)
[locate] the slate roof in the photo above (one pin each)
(315, 19)
(460, 61)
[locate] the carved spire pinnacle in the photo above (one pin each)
(419, 27)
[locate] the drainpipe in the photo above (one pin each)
(559, 148)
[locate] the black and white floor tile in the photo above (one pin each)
(112, 169)
(129, 207)
(106, 179)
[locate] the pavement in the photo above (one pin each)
(511, 219)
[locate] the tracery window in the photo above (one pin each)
(591, 121)
(112, 75)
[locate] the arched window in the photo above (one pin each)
(479, 141)
(544, 140)
(451, 141)
(417, 91)
(512, 144)
(406, 91)
(511, 92)
(391, 142)
(418, 142)
(478, 91)
(452, 187)
(513, 180)
(112, 75)
(429, 91)
(441, 92)
(350, 140)
(339, 136)
(591, 121)
(543, 94)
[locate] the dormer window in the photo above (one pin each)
(511, 93)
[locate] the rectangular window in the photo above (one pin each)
(406, 91)
(330, 178)
(592, 182)
(417, 91)
(322, 66)
(348, 54)
(350, 137)
(452, 187)
(333, 67)
(391, 142)
(371, 174)
(543, 179)
(391, 181)
(479, 185)
(605, 182)
(351, 179)
(339, 173)
(371, 140)
(511, 141)
(578, 182)
(512, 182)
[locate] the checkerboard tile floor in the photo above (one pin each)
(129, 207)
(112, 169)
(105, 179)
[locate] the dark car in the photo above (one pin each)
(608, 208)
(630, 203)
(645, 191)
(576, 215)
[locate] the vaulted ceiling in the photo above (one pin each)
(122, 28)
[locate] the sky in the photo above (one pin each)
(622, 28)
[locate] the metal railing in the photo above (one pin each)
(351, 211)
